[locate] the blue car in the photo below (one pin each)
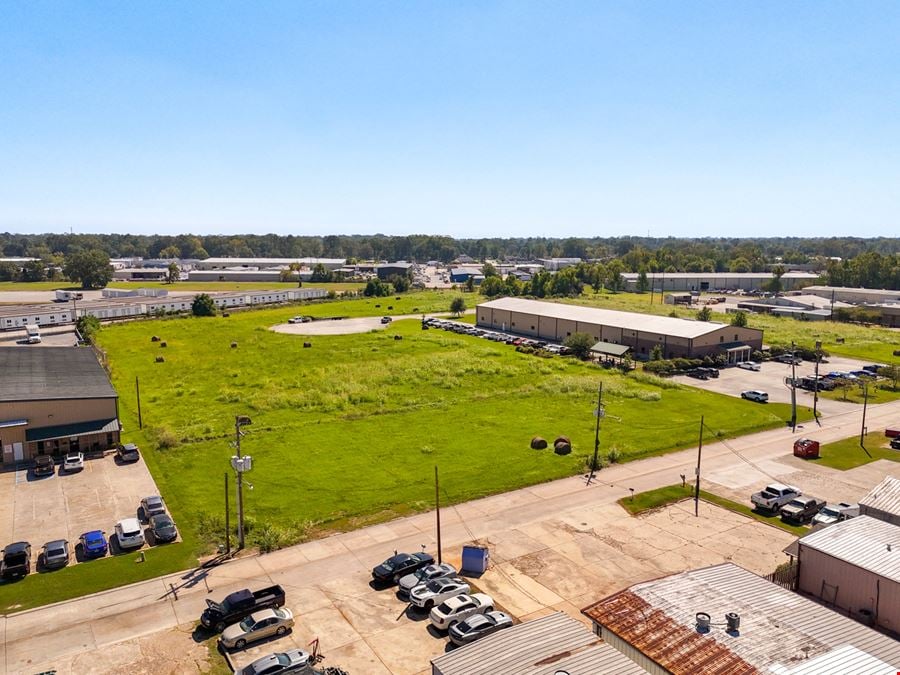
(94, 544)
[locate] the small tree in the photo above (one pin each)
(643, 284)
(739, 319)
(656, 353)
(88, 326)
(580, 344)
(400, 282)
(891, 373)
(173, 273)
(705, 313)
(203, 305)
(488, 270)
(492, 287)
(844, 384)
(470, 284)
(34, 270)
(458, 306)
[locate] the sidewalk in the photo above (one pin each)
(97, 621)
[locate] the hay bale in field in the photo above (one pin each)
(234, 345)
(390, 307)
(160, 359)
(225, 315)
(378, 306)
(307, 345)
(538, 443)
(398, 337)
(154, 338)
(562, 445)
(163, 344)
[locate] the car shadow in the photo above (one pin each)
(377, 585)
(202, 634)
(435, 633)
(31, 477)
(413, 613)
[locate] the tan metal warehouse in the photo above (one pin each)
(642, 332)
(854, 566)
(54, 400)
(883, 502)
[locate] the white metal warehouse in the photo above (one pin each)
(642, 332)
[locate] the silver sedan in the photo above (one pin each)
(257, 626)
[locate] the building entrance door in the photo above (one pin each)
(18, 452)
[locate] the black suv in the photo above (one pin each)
(16, 561)
(43, 465)
(400, 564)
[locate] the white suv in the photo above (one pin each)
(755, 395)
(749, 365)
(129, 533)
(453, 610)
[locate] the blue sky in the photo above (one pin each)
(462, 118)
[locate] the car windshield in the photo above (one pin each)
(56, 551)
(283, 659)
(830, 511)
(15, 558)
(130, 532)
(436, 585)
(247, 624)
(444, 608)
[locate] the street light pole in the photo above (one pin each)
(598, 413)
(240, 464)
(816, 383)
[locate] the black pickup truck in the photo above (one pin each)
(240, 604)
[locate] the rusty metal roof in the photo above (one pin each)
(884, 497)
(780, 631)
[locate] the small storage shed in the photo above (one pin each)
(883, 502)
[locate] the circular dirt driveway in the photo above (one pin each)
(335, 327)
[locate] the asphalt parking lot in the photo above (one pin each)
(65, 505)
(771, 379)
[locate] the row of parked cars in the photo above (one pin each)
(247, 616)
(795, 507)
(438, 589)
(73, 462)
(15, 560)
(467, 329)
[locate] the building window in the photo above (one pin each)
(735, 337)
(721, 338)
(40, 446)
(568, 333)
(643, 350)
(513, 323)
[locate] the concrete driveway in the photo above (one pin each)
(65, 505)
(771, 379)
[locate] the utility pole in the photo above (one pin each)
(240, 464)
(227, 519)
(816, 384)
(598, 413)
(697, 471)
(437, 503)
(137, 389)
(862, 429)
(793, 390)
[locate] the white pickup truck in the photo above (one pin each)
(774, 496)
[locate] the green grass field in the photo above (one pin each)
(349, 431)
(847, 453)
(654, 499)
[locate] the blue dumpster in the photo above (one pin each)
(475, 559)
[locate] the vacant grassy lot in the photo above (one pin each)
(847, 453)
(654, 499)
(348, 431)
(866, 343)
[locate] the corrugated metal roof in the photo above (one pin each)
(50, 373)
(884, 497)
(648, 323)
(538, 647)
(865, 542)
(780, 630)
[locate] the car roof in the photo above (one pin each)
(17, 547)
(161, 518)
(263, 614)
(93, 534)
(129, 523)
(153, 498)
(56, 542)
(457, 601)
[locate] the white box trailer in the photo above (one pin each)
(33, 333)
(68, 296)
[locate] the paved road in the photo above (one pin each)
(40, 636)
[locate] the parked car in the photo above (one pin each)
(128, 452)
(386, 319)
(399, 565)
(163, 527)
(789, 359)
(257, 626)
(698, 373)
(153, 506)
(74, 461)
(710, 372)
(774, 496)
(478, 626)
(280, 662)
(749, 365)
(240, 604)
(801, 509)
(94, 544)
(833, 513)
(43, 465)
(299, 319)
(423, 575)
(55, 554)
(129, 533)
(16, 560)
(755, 395)
(426, 596)
(459, 608)
(895, 443)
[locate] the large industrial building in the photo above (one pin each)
(267, 263)
(54, 400)
(724, 619)
(678, 338)
(719, 281)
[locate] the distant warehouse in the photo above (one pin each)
(641, 332)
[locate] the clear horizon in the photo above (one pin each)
(494, 119)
